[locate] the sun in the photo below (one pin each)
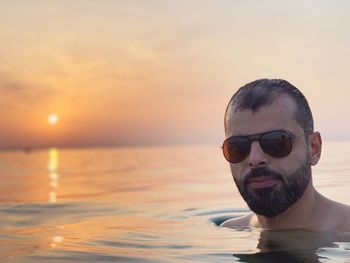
(52, 119)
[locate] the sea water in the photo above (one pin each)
(152, 204)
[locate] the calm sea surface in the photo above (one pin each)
(158, 204)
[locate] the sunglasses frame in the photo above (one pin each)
(256, 137)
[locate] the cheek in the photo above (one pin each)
(236, 171)
(292, 163)
(300, 151)
(301, 156)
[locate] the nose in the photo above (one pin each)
(257, 157)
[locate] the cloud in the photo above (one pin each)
(17, 91)
(9, 85)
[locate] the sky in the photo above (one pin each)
(132, 72)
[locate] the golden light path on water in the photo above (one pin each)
(53, 174)
(52, 168)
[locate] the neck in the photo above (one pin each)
(298, 215)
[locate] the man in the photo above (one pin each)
(271, 146)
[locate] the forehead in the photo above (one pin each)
(275, 116)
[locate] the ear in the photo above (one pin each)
(315, 147)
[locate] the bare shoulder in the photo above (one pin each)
(343, 215)
(334, 215)
(242, 221)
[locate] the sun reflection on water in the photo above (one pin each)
(53, 174)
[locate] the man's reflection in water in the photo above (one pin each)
(293, 246)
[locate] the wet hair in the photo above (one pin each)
(263, 92)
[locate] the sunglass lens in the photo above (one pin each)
(236, 149)
(277, 144)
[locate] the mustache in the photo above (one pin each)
(262, 171)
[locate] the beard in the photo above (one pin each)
(274, 200)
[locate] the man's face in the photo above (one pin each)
(270, 185)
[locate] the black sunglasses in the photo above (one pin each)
(277, 144)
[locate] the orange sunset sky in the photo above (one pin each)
(132, 72)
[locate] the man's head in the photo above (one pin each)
(268, 179)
